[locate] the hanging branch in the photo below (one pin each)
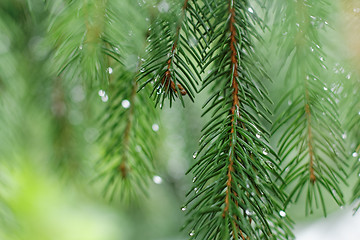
(350, 87)
(84, 33)
(127, 162)
(311, 146)
(234, 195)
(350, 104)
(353, 127)
(348, 91)
(173, 57)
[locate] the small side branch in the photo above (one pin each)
(123, 168)
(167, 79)
(310, 137)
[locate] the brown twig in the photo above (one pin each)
(235, 103)
(167, 79)
(123, 168)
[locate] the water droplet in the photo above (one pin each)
(125, 103)
(282, 213)
(192, 233)
(183, 208)
(356, 10)
(284, 33)
(258, 135)
(196, 190)
(250, 10)
(195, 155)
(271, 165)
(80, 47)
(101, 93)
(325, 89)
(194, 179)
(348, 76)
(141, 3)
(321, 59)
(248, 212)
(289, 102)
(138, 148)
(110, 70)
(155, 127)
(355, 154)
(265, 151)
(157, 179)
(311, 49)
(343, 135)
(142, 70)
(105, 98)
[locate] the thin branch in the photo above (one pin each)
(123, 165)
(166, 80)
(310, 137)
(235, 103)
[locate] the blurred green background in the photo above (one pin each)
(48, 133)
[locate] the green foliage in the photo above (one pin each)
(64, 63)
(86, 33)
(311, 143)
(234, 195)
(350, 105)
(176, 43)
(127, 161)
(78, 40)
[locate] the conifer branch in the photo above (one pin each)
(310, 137)
(235, 103)
(356, 190)
(351, 106)
(311, 116)
(233, 194)
(127, 161)
(81, 33)
(166, 80)
(129, 123)
(173, 57)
